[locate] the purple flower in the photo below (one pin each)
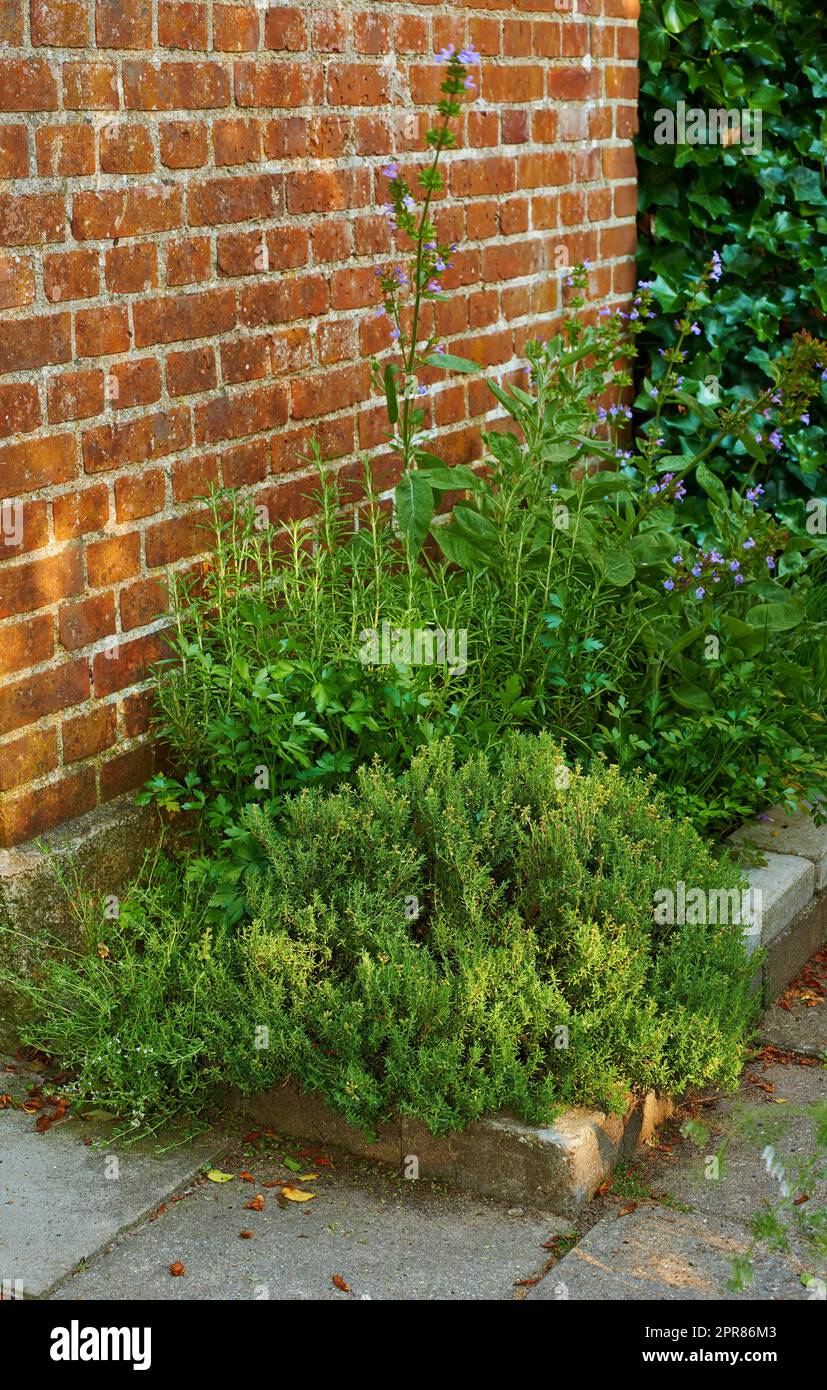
(696, 570)
(654, 393)
(735, 565)
(645, 284)
(777, 439)
(421, 390)
(748, 544)
(469, 56)
(395, 333)
(392, 172)
(440, 265)
(445, 54)
(699, 592)
(433, 286)
(408, 203)
(739, 579)
(469, 84)
(824, 374)
(695, 328)
(805, 418)
(753, 493)
(669, 584)
(717, 269)
(770, 562)
(677, 559)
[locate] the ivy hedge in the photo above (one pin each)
(760, 203)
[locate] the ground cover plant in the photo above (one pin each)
(443, 944)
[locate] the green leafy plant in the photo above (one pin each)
(761, 205)
(464, 938)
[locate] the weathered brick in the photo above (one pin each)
(14, 152)
(184, 86)
(19, 409)
(243, 413)
(26, 644)
(100, 332)
(27, 84)
(29, 218)
(65, 150)
(36, 583)
(28, 757)
(123, 23)
(74, 395)
(32, 813)
(90, 86)
(126, 149)
(235, 28)
(178, 318)
(112, 559)
(87, 621)
(78, 513)
(88, 734)
(184, 144)
(36, 463)
(16, 283)
(135, 441)
(134, 382)
(237, 198)
(132, 212)
(142, 602)
(191, 372)
(182, 25)
(131, 269)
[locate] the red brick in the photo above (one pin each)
(184, 144)
(11, 24)
(283, 301)
(354, 288)
(123, 23)
(136, 713)
(184, 86)
(182, 26)
(127, 664)
(246, 463)
(25, 527)
(135, 441)
(14, 152)
(90, 86)
(234, 416)
(573, 84)
(168, 541)
(178, 318)
(356, 84)
(131, 269)
(285, 30)
(99, 332)
(276, 84)
(235, 28)
(142, 602)
(139, 495)
(238, 198)
(59, 24)
(249, 253)
(27, 84)
(115, 558)
(89, 734)
(26, 644)
(236, 142)
(315, 395)
(327, 190)
(133, 212)
(190, 372)
(27, 758)
(19, 409)
(330, 31)
(188, 260)
(77, 513)
(37, 463)
(38, 583)
(126, 771)
(126, 149)
(30, 218)
(133, 383)
(34, 812)
(65, 150)
(71, 275)
(87, 621)
(193, 478)
(372, 33)
(74, 395)
(16, 283)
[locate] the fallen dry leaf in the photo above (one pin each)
(176, 1269)
(340, 1283)
(295, 1194)
(527, 1283)
(251, 1137)
(628, 1209)
(246, 1177)
(246, 1235)
(215, 1175)
(255, 1203)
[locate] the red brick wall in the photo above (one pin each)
(149, 150)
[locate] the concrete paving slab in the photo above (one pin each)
(655, 1254)
(797, 1029)
(386, 1237)
(62, 1200)
(740, 1129)
(788, 834)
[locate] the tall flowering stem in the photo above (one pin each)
(404, 291)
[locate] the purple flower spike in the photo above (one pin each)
(469, 56)
(445, 54)
(391, 172)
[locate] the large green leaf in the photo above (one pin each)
(414, 502)
(775, 617)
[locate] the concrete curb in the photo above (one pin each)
(557, 1167)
